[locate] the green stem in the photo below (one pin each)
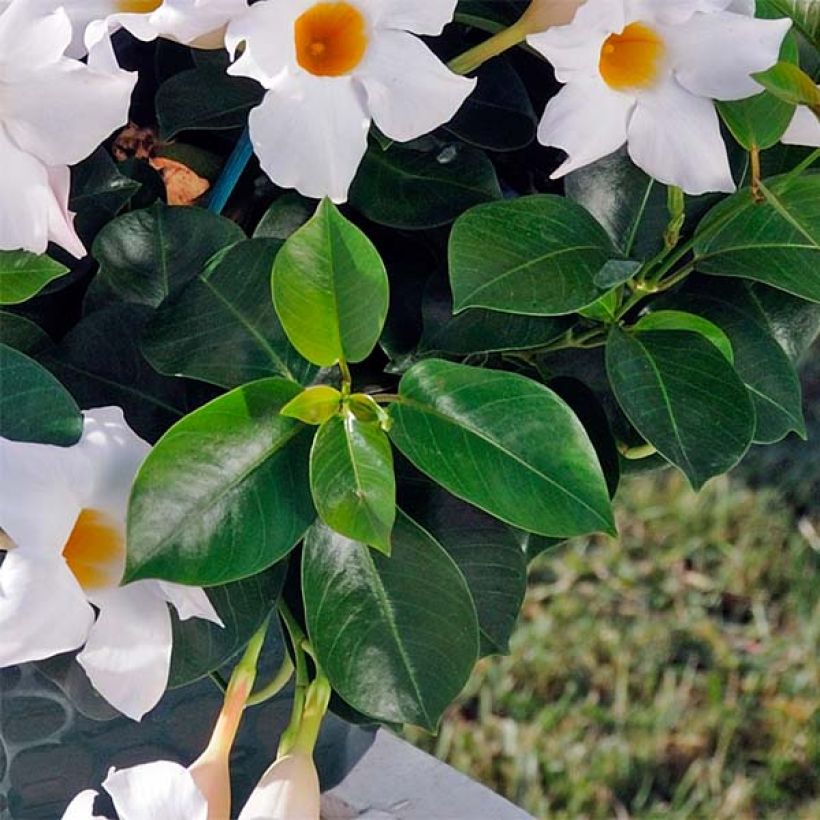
(497, 44)
(385, 398)
(315, 709)
(275, 685)
(347, 379)
(297, 639)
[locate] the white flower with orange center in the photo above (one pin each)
(331, 68)
(63, 511)
(198, 23)
(645, 73)
(54, 111)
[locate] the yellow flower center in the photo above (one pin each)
(331, 39)
(632, 58)
(95, 550)
(138, 6)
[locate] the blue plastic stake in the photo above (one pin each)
(234, 167)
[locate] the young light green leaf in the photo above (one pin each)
(397, 636)
(24, 274)
(315, 405)
(352, 481)
(330, 289)
(224, 493)
(680, 320)
(683, 397)
(502, 442)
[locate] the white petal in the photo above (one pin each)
(675, 137)
(588, 120)
(161, 790)
(43, 610)
(713, 55)
(310, 133)
(289, 790)
(128, 652)
(189, 602)
(409, 90)
(418, 16)
(39, 486)
(188, 21)
(31, 40)
(804, 129)
(60, 219)
(82, 807)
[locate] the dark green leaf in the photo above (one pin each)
(536, 255)
(224, 493)
(681, 320)
(221, 327)
(145, 256)
(24, 274)
(504, 443)
(403, 188)
(682, 395)
(34, 406)
(330, 289)
(285, 216)
(351, 477)
(806, 16)
(793, 322)
(776, 241)
(397, 636)
(22, 334)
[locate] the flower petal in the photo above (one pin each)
(60, 219)
(418, 16)
(288, 790)
(189, 602)
(43, 610)
(586, 119)
(82, 807)
(310, 133)
(161, 790)
(31, 39)
(409, 90)
(128, 652)
(675, 137)
(804, 129)
(713, 55)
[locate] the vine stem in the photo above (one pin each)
(275, 685)
(505, 39)
(297, 639)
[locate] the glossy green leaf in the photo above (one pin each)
(683, 397)
(147, 255)
(793, 322)
(776, 241)
(616, 272)
(201, 647)
(681, 320)
(22, 334)
(315, 405)
(351, 477)
(506, 444)
(221, 327)
(805, 14)
(330, 289)
(536, 255)
(285, 216)
(24, 274)
(760, 361)
(397, 636)
(787, 82)
(405, 188)
(34, 406)
(224, 493)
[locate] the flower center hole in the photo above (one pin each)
(632, 58)
(95, 550)
(331, 39)
(137, 6)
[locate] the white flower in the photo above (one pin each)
(153, 791)
(804, 129)
(199, 23)
(64, 509)
(289, 790)
(332, 67)
(54, 111)
(645, 73)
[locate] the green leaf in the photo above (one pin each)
(34, 406)
(221, 327)
(760, 361)
(787, 82)
(616, 272)
(352, 481)
(205, 99)
(504, 443)
(285, 216)
(793, 322)
(537, 255)
(683, 397)
(680, 320)
(224, 493)
(315, 405)
(147, 255)
(405, 188)
(397, 636)
(776, 241)
(330, 289)
(24, 274)
(22, 334)
(201, 647)
(805, 14)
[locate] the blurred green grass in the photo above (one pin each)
(671, 673)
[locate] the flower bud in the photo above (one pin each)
(289, 790)
(211, 773)
(542, 14)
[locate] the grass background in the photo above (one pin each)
(673, 672)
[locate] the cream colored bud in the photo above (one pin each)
(542, 14)
(289, 790)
